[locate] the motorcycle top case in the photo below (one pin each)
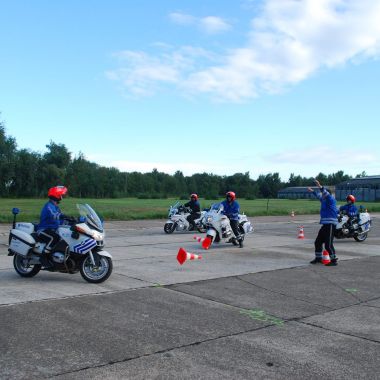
(26, 227)
(21, 242)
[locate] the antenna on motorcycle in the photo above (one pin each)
(15, 211)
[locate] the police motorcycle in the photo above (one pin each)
(219, 227)
(80, 248)
(177, 219)
(358, 228)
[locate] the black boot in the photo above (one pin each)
(332, 263)
(316, 260)
(241, 243)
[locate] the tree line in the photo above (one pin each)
(25, 173)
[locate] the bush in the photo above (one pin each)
(143, 196)
(211, 197)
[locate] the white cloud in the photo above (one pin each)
(208, 24)
(288, 41)
(324, 159)
(336, 156)
(214, 25)
(182, 18)
(142, 74)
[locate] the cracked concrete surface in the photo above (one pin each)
(259, 312)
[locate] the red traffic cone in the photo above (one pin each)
(325, 257)
(182, 256)
(301, 234)
(206, 243)
(198, 238)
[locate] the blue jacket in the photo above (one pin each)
(194, 205)
(350, 209)
(51, 216)
(231, 209)
(329, 210)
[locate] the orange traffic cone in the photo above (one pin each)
(183, 256)
(301, 233)
(325, 257)
(206, 243)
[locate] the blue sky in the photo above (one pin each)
(221, 86)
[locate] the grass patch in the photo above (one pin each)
(135, 209)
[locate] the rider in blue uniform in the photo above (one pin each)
(350, 210)
(195, 208)
(51, 217)
(231, 209)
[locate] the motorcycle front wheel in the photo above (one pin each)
(361, 237)
(169, 227)
(23, 268)
(96, 274)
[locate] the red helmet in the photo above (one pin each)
(195, 196)
(231, 194)
(350, 198)
(57, 192)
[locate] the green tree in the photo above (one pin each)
(27, 174)
(57, 155)
(7, 161)
(269, 185)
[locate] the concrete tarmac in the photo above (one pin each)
(260, 312)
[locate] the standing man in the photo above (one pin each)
(329, 219)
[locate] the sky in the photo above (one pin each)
(216, 86)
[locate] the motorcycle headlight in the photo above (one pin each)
(209, 219)
(98, 236)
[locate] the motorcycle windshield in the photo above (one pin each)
(174, 209)
(217, 207)
(92, 218)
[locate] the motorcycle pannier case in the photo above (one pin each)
(248, 228)
(21, 243)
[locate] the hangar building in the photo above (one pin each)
(365, 189)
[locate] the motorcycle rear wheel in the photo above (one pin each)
(361, 237)
(22, 267)
(169, 227)
(96, 275)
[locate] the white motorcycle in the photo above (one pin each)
(177, 219)
(80, 248)
(219, 227)
(357, 229)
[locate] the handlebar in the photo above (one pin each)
(70, 220)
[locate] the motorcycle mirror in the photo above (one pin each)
(15, 210)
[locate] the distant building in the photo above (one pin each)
(365, 189)
(300, 192)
